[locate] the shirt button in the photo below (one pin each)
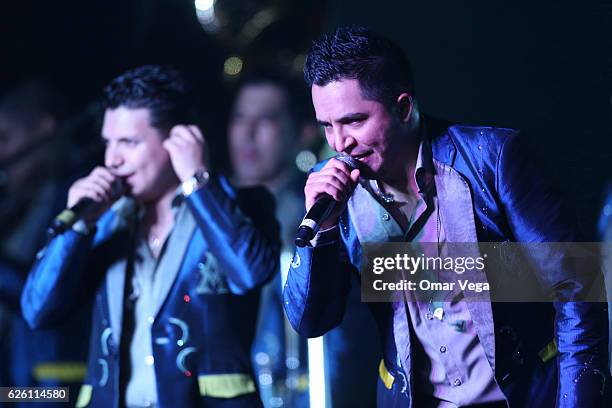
(429, 316)
(442, 349)
(386, 217)
(150, 319)
(457, 382)
(149, 360)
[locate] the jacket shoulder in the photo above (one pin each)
(480, 135)
(470, 143)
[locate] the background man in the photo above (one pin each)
(426, 182)
(174, 267)
(270, 124)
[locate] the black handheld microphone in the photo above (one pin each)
(321, 209)
(85, 206)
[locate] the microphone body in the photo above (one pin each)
(320, 210)
(70, 216)
(83, 208)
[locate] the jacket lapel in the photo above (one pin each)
(115, 281)
(123, 212)
(368, 211)
(170, 264)
(457, 216)
(168, 269)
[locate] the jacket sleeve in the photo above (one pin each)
(317, 286)
(536, 214)
(247, 247)
(57, 280)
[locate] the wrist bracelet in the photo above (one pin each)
(199, 180)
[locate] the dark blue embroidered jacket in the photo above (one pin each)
(510, 201)
(203, 331)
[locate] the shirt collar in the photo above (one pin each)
(176, 204)
(423, 170)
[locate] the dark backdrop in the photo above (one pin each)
(541, 66)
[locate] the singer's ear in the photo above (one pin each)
(405, 106)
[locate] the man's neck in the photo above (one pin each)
(274, 185)
(159, 212)
(402, 181)
(401, 178)
(277, 183)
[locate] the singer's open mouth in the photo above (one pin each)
(361, 155)
(126, 178)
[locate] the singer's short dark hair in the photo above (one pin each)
(160, 89)
(380, 65)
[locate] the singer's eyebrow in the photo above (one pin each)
(121, 138)
(348, 118)
(353, 117)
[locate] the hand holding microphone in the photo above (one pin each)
(327, 192)
(89, 198)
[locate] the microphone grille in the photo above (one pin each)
(348, 160)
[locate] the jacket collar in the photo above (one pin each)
(437, 142)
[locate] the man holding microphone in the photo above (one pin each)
(174, 266)
(425, 182)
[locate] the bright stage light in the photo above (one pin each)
(316, 372)
(204, 5)
(233, 66)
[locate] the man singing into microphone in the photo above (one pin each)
(174, 267)
(421, 181)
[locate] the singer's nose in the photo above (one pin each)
(112, 157)
(343, 142)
